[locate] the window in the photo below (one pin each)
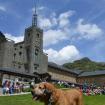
(21, 47)
(26, 66)
(20, 53)
(15, 49)
(28, 34)
(36, 66)
(19, 66)
(36, 51)
(38, 35)
(14, 55)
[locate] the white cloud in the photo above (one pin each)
(45, 23)
(59, 28)
(66, 14)
(54, 36)
(64, 18)
(41, 8)
(2, 8)
(14, 38)
(88, 31)
(67, 54)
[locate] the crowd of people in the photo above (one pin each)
(85, 89)
(9, 87)
(93, 90)
(12, 87)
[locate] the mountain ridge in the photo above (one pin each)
(85, 64)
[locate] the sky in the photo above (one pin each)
(73, 29)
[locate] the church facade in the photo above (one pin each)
(26, 56)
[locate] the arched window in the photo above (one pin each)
(36, 51)
(38, 35)
(14, 55)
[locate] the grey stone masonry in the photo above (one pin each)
(26, 56)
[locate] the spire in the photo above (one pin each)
(34, 17)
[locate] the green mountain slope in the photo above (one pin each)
(85, 64)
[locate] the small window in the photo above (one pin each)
(21, 47)
(38, 35)
(19, 67)
(36, 66)
(20, 53)
(14, 55)
(28, 34)
(36, 51)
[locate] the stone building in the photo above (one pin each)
(6, 51)
(60, 73)
(93, 77)
(26, 56)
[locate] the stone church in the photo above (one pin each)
(26, 56)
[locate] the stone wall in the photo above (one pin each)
(61, 75)
(43, 63)
(6, 57)
(18, 55)
(2, 50)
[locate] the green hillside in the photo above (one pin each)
(85, 64)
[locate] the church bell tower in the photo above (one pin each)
(36, 61)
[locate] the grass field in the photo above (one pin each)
(27, 100)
